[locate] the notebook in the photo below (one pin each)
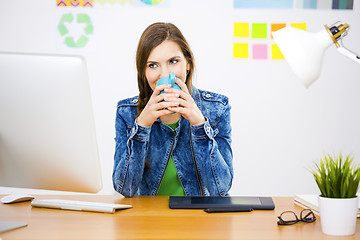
(311, 201)
(78, 205)
(202, 202)
(7, 226)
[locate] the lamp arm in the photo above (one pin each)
(348, 54)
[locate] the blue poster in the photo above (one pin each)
(284, 4)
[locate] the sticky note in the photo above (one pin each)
(301, 26)
(277, 26)
(275, 52)
(241, 30)
(259, 51)
(259, 30)
(241, 50)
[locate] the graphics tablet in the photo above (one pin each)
(202, 202)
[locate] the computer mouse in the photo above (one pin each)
(15, 198)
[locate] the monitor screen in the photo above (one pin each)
(47, 131)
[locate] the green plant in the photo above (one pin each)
(336, 176)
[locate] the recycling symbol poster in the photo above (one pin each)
(75, 20)
(75, 28)
(84, 31)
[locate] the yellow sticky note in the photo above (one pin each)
(301, 26)
(241, 30)
(275, 52)
(241, 50)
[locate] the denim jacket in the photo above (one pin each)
(202, 153)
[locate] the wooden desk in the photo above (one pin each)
(151, 218)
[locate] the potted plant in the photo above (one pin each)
(338, 180)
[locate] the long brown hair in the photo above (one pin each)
(153, 36)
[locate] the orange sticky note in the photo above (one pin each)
(241, 50)
(277, 26)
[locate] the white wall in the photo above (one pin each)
(279, 127)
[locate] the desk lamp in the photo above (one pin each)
(304, 50)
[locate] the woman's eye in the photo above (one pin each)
(152, 65)
(173, 61)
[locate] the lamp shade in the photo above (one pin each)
(303, 51)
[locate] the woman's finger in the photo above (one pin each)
(182, 85)
(160, 88)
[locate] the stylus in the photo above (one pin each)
(227, 209)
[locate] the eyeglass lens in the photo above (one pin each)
(289, 217)
(307, 215)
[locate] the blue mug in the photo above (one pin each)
(168, 80)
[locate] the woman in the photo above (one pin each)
(176, 143)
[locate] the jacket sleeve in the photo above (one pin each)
(213, 155)
(130, 152)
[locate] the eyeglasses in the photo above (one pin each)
(289, 217)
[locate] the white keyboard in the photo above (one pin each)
(78, 205)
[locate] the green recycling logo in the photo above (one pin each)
(70, 41)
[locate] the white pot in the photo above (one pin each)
(338, 215)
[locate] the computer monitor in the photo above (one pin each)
(47, 131)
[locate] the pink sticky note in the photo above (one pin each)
(259, 51)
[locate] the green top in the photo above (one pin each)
(170, 184)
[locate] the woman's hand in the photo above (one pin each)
(157, 107)
(186, 105)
